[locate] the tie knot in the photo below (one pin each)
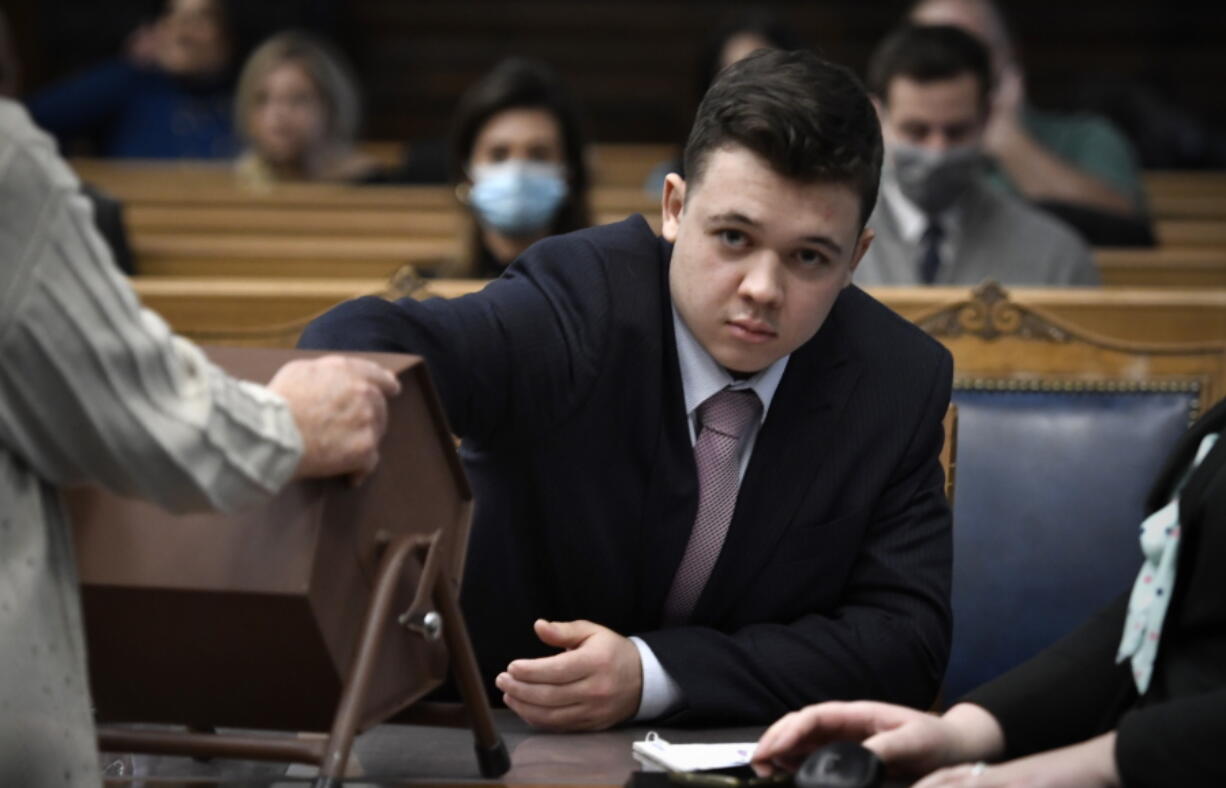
(933, 233)
(730, 412)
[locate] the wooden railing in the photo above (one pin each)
(195, 220)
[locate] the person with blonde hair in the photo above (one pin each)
(297, 111)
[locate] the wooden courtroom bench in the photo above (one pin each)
(202, 183)
(149, 219)
(296, 255)
(1185, 182)
(270, 312)
(1136, 315)
(192, 219)
(145, 220)
(615, 164)
(1163, 266)
(226, 310)
(619, 170)
(1191, 232)
(290, 257)
(1186, 195)
(612, 163)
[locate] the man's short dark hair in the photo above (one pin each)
(809, 119)
(930, 53)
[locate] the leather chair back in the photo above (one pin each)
(1051, 490)
(1060, 435)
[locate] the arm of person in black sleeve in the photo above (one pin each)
(1068, 693)
(887, 639)
(1174, 743)
(511, 357)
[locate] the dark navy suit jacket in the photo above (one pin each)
(562, 378)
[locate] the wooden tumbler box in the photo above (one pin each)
(331, 607)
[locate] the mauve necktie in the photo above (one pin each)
(930, 260)
(724, 417)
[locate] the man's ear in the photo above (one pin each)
(862, 245)
(671, 206)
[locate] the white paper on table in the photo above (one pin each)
(654, 751)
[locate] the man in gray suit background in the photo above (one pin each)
(938, 221)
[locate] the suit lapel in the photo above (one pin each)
(672, 488)
(792, 447)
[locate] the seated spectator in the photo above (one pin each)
(1135, 697)
(938, 221)
(297, 111)
(1077, 166)
(518, 163)
(739, 36)
(108, 211)
(170, 98)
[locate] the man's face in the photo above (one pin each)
(935, 115)
(758, 259)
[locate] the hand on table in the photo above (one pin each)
(594, 684)
(909, 742)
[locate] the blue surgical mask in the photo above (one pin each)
(517, 197)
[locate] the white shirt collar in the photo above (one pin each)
(912, 221)
(702, 376)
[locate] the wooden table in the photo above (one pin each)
(419, 755)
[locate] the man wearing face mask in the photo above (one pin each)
(941, 222)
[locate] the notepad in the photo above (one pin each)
(655, 752)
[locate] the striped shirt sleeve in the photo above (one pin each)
(95, 388)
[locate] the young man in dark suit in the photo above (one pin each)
(1136, 697)
(705, 465)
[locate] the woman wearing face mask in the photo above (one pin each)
(297, 111)
(517, 163)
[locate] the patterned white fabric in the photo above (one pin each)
(1151, 593)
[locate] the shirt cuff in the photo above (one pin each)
(661, 694)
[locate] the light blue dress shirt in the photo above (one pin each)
(701, 377)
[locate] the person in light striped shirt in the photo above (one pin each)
(93, 388)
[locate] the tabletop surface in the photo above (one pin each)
(412, 754)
